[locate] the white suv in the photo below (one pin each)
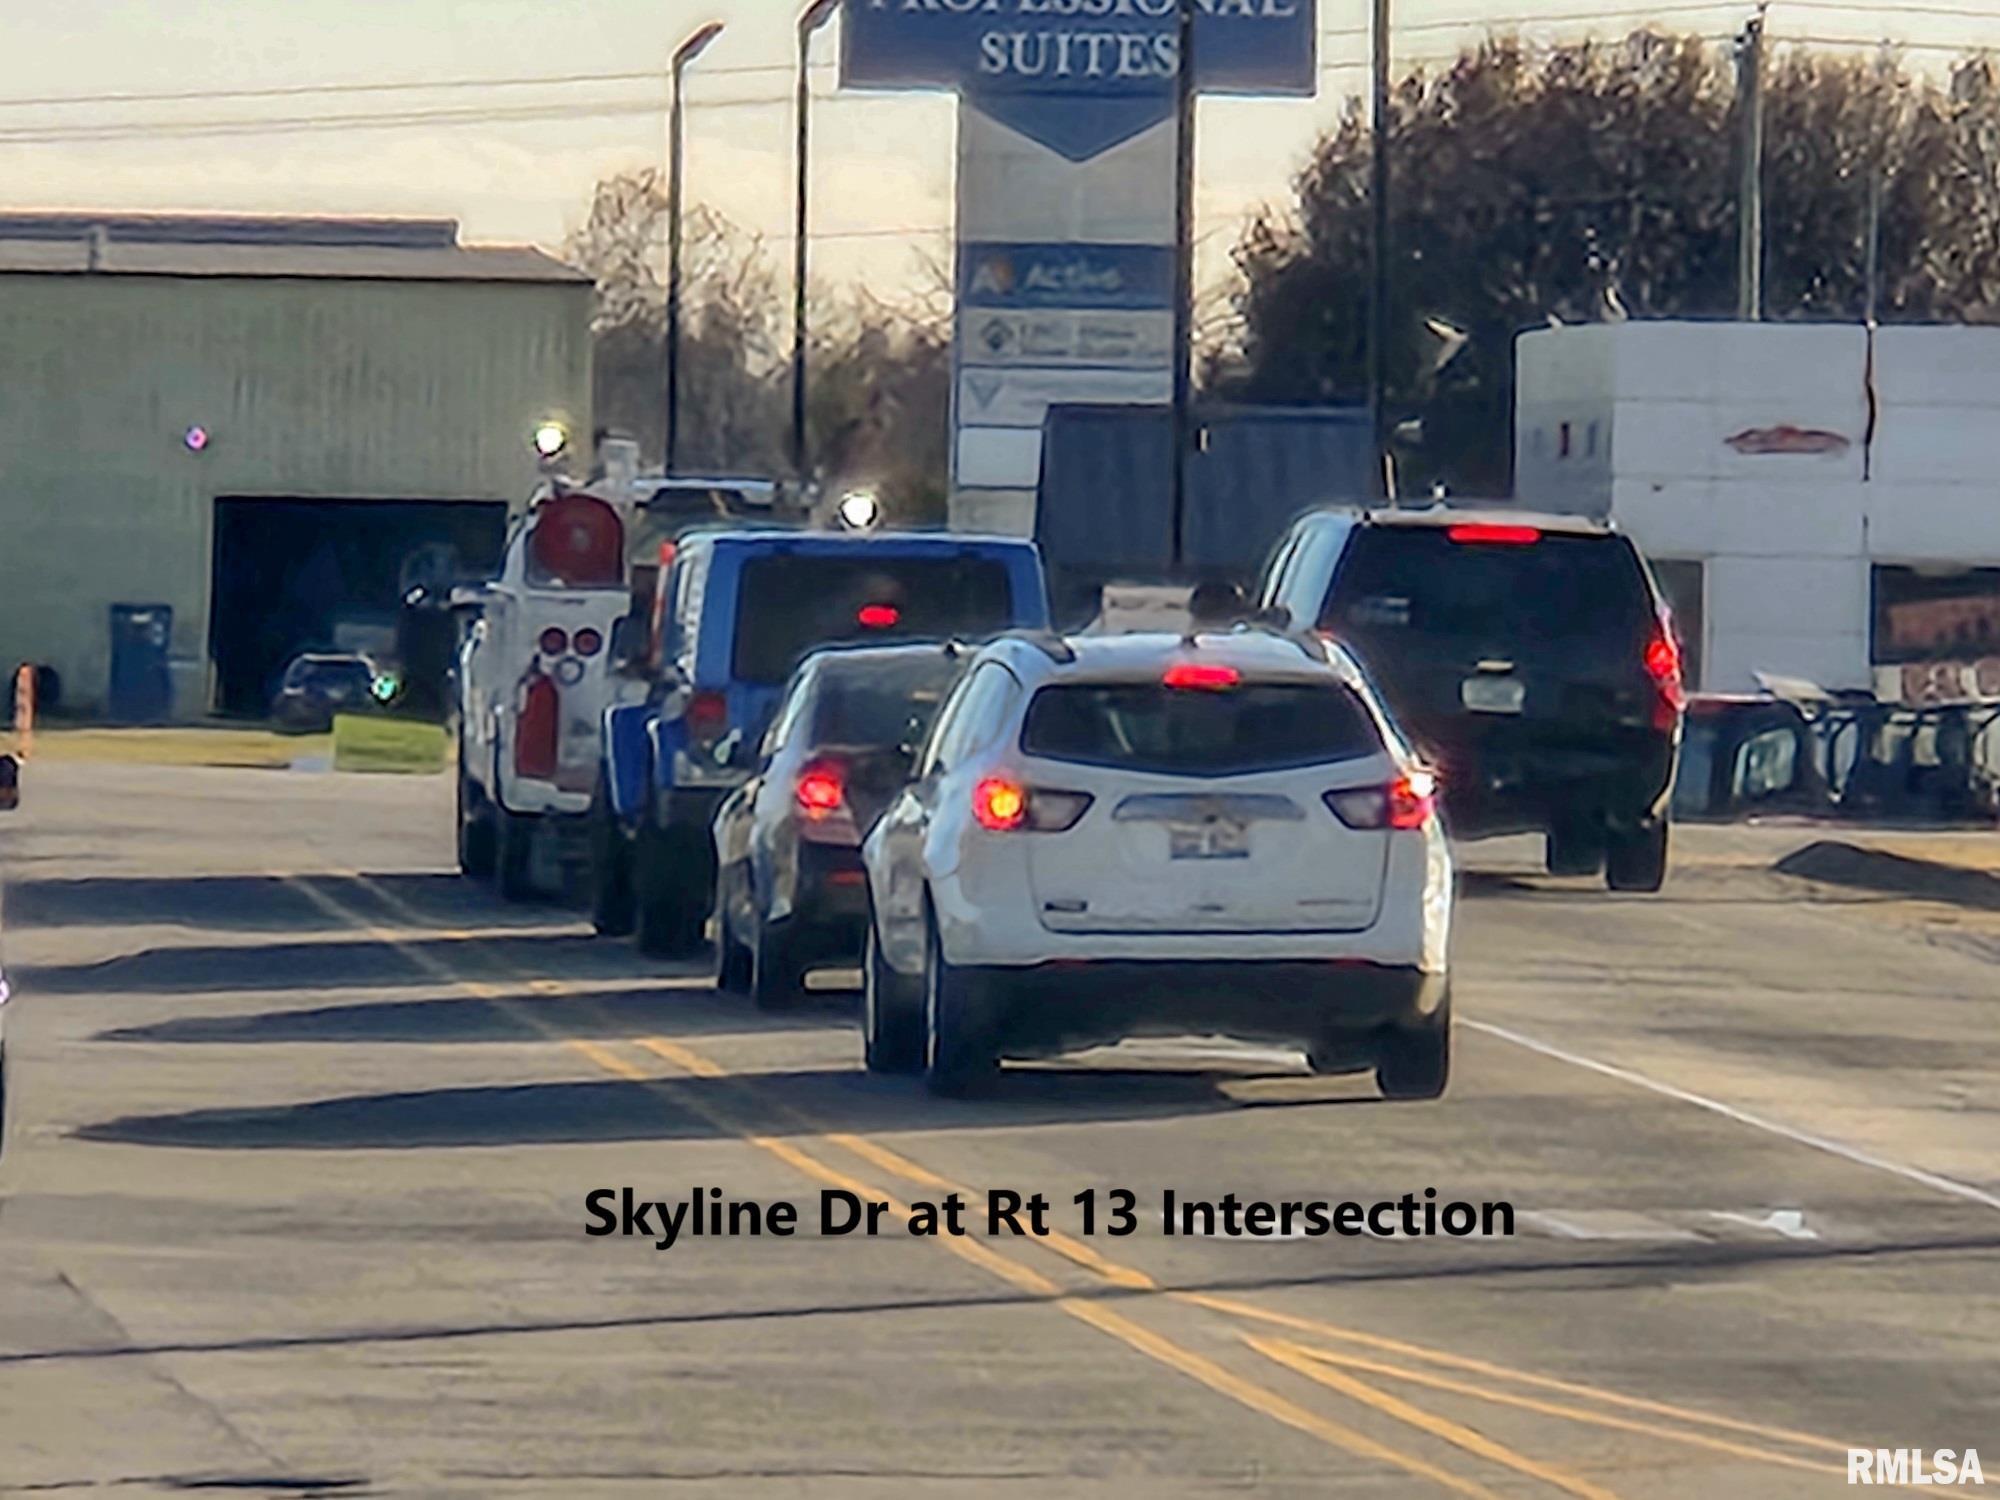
(1161, 835)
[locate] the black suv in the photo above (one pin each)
(1529, 656)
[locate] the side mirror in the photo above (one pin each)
(10, 783)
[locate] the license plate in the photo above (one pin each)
(1219, 838)
(1493, 695)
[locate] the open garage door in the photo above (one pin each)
(332, 575)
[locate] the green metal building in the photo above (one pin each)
(268, 427)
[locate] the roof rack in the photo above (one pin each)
(1051, 645)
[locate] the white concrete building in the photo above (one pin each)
(1819, 503)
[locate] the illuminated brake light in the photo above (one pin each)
(1494, 533)
(706, 714)
(1412, 800)
(878, 617)
(1000, 806)
(1202, 676)
(1663, 664)
(820, 792)
(1406, 804)
(554, 641)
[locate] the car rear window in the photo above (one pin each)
(325, 674)
(1417, 579)
(1180, 732)
(880, 704)
(790, 606)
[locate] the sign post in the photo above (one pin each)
(1074, 198)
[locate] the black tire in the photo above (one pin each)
(476, 841)
(1415, 1061)
(1637, 858)
(959, 1055)
(612, 906)
(1577, 846)
(777, 968)
(670, 887)
(892, 1015)
(514, 860)
(735, 965)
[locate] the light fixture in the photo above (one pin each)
(859, 510)
(196, 439)
(551, 438)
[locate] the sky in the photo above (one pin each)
(513, 117)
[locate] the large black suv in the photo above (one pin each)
(1529, 656)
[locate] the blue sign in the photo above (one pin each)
(1087, 277)
(1078, 75)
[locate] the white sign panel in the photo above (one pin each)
(1021, 398)
(1117, 340)
(999, 458)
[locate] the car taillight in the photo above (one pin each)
(1003, 806)
(1202, 676)
(535, 729)
(878, 617)
(588, 642)
(706, 714)
(1663, 665)
(554, 641)
(820, 791)
(1493, 534)
(1000, 806)
(1405, 804)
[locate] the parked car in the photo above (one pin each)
(790, 893)
(1530, 657)
(1161, 834)
(740, 610)
(318, 685)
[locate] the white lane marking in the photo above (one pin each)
(1789, 1222)
(1605, 1224)
(1832, 1147)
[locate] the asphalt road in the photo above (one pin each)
(302, 1128)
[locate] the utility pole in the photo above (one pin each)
(686, 53)
(1750, 192)
(1184, 114)
(814, 16)
(1379, 248)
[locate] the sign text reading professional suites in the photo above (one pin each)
(706, 1213)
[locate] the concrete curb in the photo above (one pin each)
(1835, 863)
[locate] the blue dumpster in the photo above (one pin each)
(142, 691)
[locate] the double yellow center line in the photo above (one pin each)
(1337, 1371)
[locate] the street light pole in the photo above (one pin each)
(1184, 115)
(811, 20)
(686, 53)
(1378, 203)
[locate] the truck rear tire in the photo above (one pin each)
(671, 888)
(892, 1015)
(612, 908)
(515, 858)
(475, 831)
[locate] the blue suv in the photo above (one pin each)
(738, 610)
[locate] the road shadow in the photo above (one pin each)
(524, 1016)
(678, 1109)
(358, 962)
(251, 903)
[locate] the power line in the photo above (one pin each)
(314, 124)
(303, 90)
